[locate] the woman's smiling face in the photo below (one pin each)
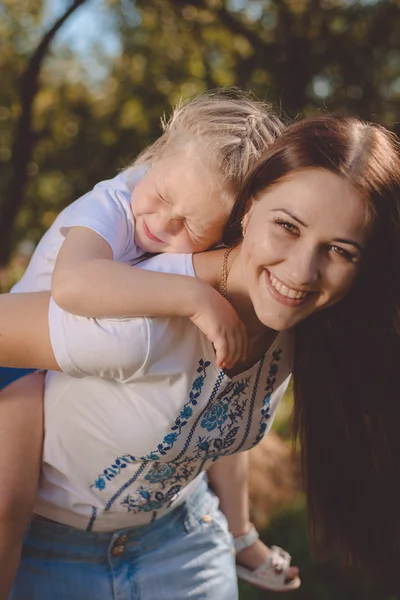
(303, 245)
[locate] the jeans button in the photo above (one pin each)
(206, 518)
(122, 539)
(118, 550)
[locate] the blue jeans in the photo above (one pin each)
(8, 375)
(187, 553)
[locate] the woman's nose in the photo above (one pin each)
(304, 266)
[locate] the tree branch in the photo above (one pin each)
(24, 136)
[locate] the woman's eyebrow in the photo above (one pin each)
(290, 215)
(341, 240)
(351, 243)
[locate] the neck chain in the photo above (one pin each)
(224, 288)
(224, 273)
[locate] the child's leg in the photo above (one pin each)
(21, 439)
(228, 478)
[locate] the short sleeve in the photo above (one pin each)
(109, 348)
(107, 211)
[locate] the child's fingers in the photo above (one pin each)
(237, 350)
(221, 352)
(231, 346)
(226, 351)
(230, 352)
(234, 348)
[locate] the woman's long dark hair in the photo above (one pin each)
(347, 357)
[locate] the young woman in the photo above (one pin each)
(140, 410)
(176, 197)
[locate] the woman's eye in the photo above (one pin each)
(287, 226)
(343, 253)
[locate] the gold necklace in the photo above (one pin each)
(224, 287)
(224, 272)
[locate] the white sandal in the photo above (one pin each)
(272, 573)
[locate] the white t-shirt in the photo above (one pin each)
(105, 209)
(123, 448)
(141, 408)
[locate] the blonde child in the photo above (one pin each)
(176, 197)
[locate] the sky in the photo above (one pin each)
(90, 25)
(82, 28)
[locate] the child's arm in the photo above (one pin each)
(21, 438)
(88, 282)
(36, 333)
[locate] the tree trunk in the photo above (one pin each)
(24, 140)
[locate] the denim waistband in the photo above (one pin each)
(58, 540)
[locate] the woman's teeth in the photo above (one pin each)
(285, 291)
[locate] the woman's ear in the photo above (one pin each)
(247, 216)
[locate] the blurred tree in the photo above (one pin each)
(308, 55)
(24, 134)
(320, 581)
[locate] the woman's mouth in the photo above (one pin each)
(283, 293)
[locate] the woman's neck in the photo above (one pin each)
(238, 296)
(209, 266)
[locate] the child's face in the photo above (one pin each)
(178, 207)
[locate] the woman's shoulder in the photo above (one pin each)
(204, 265)
(178, 264)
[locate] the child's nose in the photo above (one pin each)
(170, 224)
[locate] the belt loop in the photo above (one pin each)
(189, 520)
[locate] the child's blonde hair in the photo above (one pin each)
(231, 126)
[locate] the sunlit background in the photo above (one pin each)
(79, 103)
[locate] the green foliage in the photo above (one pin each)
(307, 55)
(320, 580)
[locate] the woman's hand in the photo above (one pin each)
(220, 323)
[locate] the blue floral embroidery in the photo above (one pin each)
(169, 478)
(120, 463)
(212, 447)
(199, 382)
(271, 380)
(100, 483)
(220, 419)
(92, 519)
(227, 410)
(186, 412)
(168, 441)
(149, 501)
(215, 416)
(160, 472)
(170, 438)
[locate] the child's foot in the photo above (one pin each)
(264, 567)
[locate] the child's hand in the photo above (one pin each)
(219, 321)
